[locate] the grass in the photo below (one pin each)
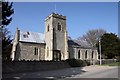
(112, 64)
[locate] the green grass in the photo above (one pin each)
(112, 64)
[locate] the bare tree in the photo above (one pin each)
(92, 36)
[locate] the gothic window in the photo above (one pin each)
(86, 54)
(59, 27)
(36, 51)
(48, 28)
(79, 54)
(92, 54)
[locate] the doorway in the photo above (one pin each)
(56, 55)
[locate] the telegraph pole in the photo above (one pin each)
(100, 50)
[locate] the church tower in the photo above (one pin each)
(56, 37)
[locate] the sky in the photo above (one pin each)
(81, 16)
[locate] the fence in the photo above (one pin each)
(106, 61)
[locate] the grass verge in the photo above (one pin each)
(112, 64)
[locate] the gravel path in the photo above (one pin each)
(95, 71)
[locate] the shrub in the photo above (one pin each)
(86, 62)
(75, 63)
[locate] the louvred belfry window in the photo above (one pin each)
(59, 27)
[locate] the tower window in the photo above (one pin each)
(48, 28)
(59, 27)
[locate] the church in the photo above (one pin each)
(54, 44)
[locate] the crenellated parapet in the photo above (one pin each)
(56, 16)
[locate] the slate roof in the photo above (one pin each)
(72, 42)
(33, 37)
(81, 43)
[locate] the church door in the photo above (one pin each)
(56, 55)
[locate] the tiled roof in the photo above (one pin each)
(32, 37)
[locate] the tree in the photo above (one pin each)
(110, 45)
(92, 36)
(7, 11)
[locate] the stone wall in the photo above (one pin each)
(32, 66)
(26, 51)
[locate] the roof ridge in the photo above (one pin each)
(31, 32)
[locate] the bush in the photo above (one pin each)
(75, 63)
(87, 62)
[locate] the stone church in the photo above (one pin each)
(52, 45)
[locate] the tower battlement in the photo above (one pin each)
(56, 16)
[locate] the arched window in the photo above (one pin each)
(79, 54)
(48, 28)
(36, 51)
(86, 54)
(59, 27)
(92, 54)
